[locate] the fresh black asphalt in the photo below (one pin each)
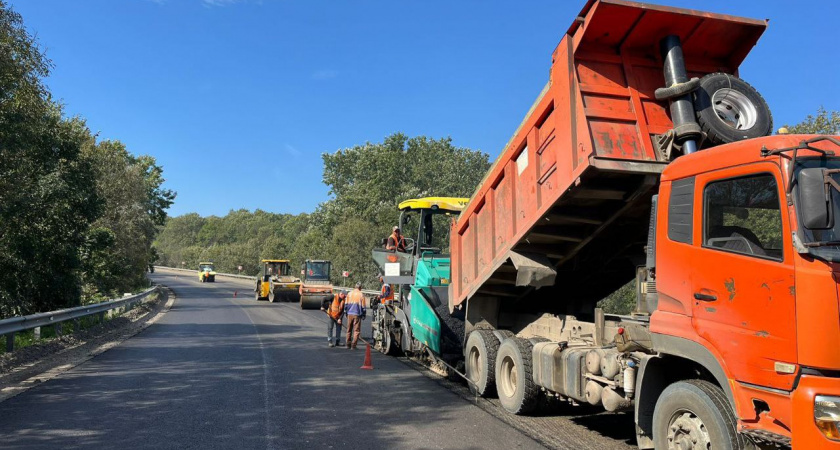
(224, 372)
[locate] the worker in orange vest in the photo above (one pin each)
(355, 307)
(386, 294)
(396, 242)
(335, 311)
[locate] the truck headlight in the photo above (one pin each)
(827, 416)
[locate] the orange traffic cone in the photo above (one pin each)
(368, 365)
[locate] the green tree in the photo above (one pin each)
(368, 181)
(825, 122)
(135, 204)
(47, 188)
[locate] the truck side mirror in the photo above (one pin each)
(814, 199)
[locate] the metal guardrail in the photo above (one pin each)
(10, 326)
(368, 292)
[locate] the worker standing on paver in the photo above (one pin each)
(335, 311)
(396, 242)
(386, 293)
(355, 307)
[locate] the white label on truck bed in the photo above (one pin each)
(522, 161)
(392, 269)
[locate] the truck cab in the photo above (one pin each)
(745, 274)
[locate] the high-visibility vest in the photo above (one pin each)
(399, 242)
(336, 307)
(386, 295)
(356, 297)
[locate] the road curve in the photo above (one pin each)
(224, 372)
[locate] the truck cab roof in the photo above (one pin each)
(735, 154)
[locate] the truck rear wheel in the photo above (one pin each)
(480, 362)
(514, 380)
(695, 414)
(729, 109)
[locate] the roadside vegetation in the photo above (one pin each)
(77, 216)
(366, 183)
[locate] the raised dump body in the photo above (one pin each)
(566, 206)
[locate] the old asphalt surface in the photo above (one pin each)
(224, 372)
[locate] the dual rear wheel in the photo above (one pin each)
(689, 415)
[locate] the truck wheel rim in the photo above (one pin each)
(474, 362)
(687, 432)
(509, 377)
(735, 109)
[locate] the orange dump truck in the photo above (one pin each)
(646, 157)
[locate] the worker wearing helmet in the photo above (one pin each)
(396, 242)
(335, 311)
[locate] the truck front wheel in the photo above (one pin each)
(695, 414)
(514, 380)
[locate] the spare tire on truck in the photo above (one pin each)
(728, 109)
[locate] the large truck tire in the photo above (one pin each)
(728, 109)
(695, 414)
(514, 377)
(480, 362)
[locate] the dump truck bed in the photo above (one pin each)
(571, 191)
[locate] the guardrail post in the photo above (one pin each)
(58, 330)
(10, 342)
(36, 333)
(101, 317)
(77, 325)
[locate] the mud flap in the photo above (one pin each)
(532, 269)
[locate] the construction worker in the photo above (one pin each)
(395, 241)
(386, 293)
(356, 308)
(335, 311)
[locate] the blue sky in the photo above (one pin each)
(232, 97)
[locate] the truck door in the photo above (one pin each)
(743, 277)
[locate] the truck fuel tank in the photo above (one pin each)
(560, 369)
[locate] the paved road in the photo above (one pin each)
(219, 372)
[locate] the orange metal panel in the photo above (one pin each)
(598, 102)
(753, 294)
(805, 434)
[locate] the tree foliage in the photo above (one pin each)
(65, 201)
(366, 183)
(824, 122)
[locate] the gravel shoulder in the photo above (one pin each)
(29, 366)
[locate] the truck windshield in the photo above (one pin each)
(829, 247)
(318, 270)
(205, 268)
